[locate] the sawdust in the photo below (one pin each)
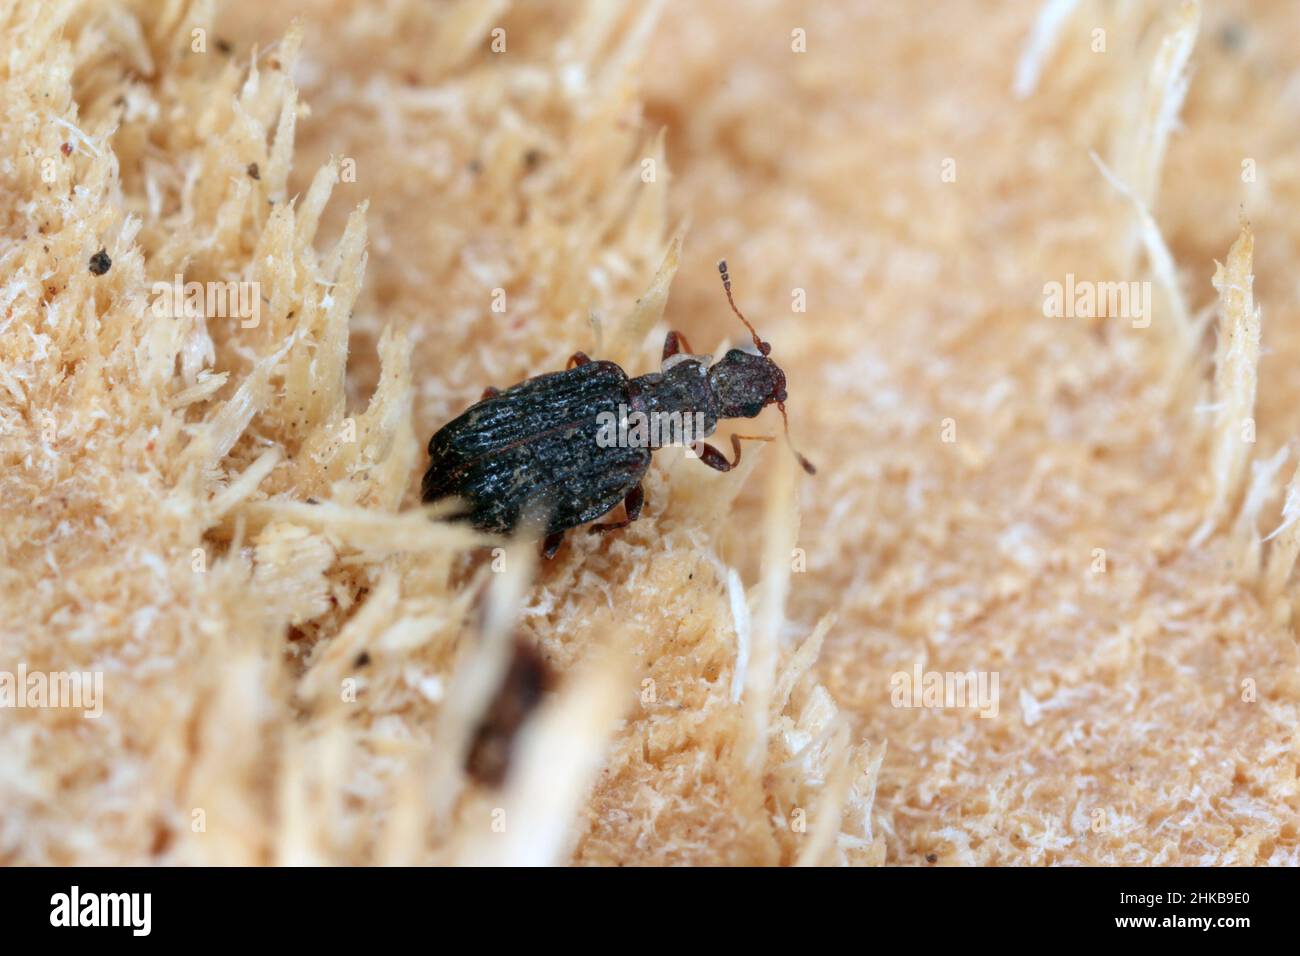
(218, 512)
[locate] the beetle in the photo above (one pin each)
(536, 454)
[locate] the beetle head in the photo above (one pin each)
(745, 384)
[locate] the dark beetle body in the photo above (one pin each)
(533, 452)
(534, 446)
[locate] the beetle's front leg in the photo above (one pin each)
(716, 459)
(675, 343)
(490, 392)
(551, 544)
(632, 504)
(577, 358)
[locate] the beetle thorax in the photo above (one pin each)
(672, 396)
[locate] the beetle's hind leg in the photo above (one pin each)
(675, 343)
(716, 459)
(490, 392)
(577, 358)
(633, 503)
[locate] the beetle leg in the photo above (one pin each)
(490, 392)
(712, 457)
(632, 504)
(577, 358)
(674, 343)
(551, 544)
(716, 459)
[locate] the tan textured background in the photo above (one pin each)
(1120, 692)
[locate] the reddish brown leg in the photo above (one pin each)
(676, 342)
(715, 459)
(632, 504)
(577, 358)
(551, 544)
(490, 392)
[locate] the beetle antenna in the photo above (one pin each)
(763, 347)
(803, 462)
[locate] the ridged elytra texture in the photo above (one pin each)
(534, 445)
